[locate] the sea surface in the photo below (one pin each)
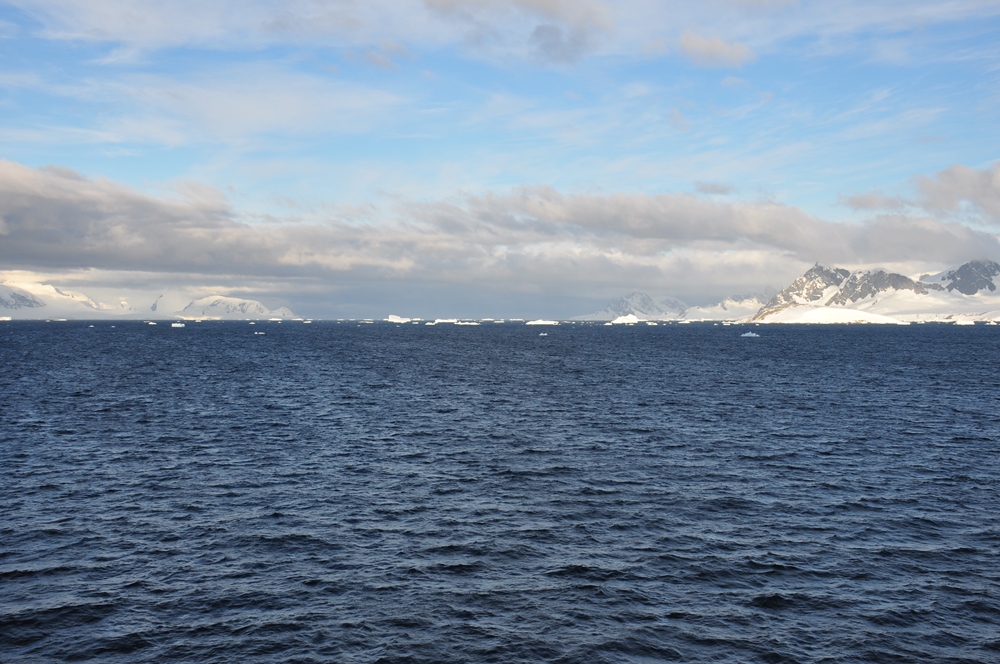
(339, 492)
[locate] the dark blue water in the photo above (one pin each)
(335, 492)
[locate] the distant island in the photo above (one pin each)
(967, 293)
(40, 301)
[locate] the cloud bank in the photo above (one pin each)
(527, 240)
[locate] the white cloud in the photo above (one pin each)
(216, 105)
(714, 52)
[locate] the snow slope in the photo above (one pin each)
(728, 309)
(22, 300)
(15, 299)
(33, 301)
(640, 305)
(220, 307)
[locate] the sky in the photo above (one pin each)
(472, 158)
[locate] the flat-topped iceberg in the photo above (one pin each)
(829, 315)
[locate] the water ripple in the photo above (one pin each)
(403, 494)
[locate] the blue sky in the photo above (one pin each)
(491, 157)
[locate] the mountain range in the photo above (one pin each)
(836, 295)
(645, 308)
(34, 301)
(822, 294)
(966, 293)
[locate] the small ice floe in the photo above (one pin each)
(749, 334)
(177, 325)
(542, 321)
(259, 333)
(543, 334)
(149, 322)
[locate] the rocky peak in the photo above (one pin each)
(869, 283)
(808, 288)
(972, 277)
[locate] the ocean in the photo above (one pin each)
(344, 492)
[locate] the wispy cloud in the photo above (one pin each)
(711, 188)
(218, 105)
(714, 52)
(542, 29)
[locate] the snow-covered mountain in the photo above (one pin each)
(640, 305)
(220, 307)
(968, 279)
(15, 298)
(731, 308)
(32, 300)
(877, 295)
(644, 308)
(22, 300)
